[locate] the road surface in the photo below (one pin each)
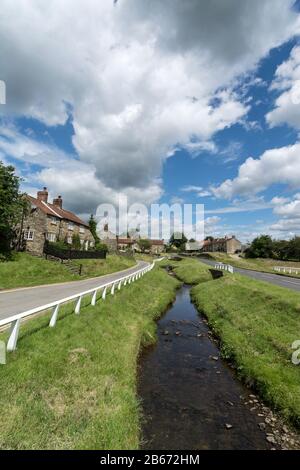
(290, 283)
(19, 300)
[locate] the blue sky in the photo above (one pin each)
(166, 103)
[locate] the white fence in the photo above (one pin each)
(286, 270)
(15, 320)
(224, 267)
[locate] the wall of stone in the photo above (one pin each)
(37, 222)
(233, 245)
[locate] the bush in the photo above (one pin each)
(101, 247)
(76, 245)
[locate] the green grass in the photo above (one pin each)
(74, 386)
(189, 271)
(257, 324)
(257, 264)
(26, 270)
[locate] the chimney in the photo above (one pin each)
(58, 202)
(43, 195)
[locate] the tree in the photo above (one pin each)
(261, 247)
(209, 239)
(13, 205)
(144, 245)
(93, 229)
(178, 240)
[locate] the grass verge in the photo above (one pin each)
(257, 324)
(189, 271)
(74, 386)
(257, 264)
(27, 271)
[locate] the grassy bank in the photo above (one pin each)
(189, 271)
(74, 386)
(258, 264)
(257, 324)
(26, 270)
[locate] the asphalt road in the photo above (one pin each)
(288, 282)
(19, 300)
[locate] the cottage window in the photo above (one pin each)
(70, 226)
(69, 240)
(53, 220)
(81, 229)
(51, 237)
(28, 235)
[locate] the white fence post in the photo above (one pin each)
(104, 293)
(78, 305)
(94, 298)
(112, 289)
(14, 333)
(120, 285)
(54, 316)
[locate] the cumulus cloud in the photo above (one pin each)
(286, 225)
(287, 80)
(279, 165)
(139, 78)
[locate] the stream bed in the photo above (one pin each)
(191, 399)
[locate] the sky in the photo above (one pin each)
(165, 102)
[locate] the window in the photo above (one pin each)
(70, 226)
(81, 229)
(53, 220)
(69, 240)
(28, 235)
(51, 237)
(81, 242)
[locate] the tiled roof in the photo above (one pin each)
(126, 241)
(52, 210)
(157, 242)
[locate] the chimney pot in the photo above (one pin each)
(43, 195)
(58, 202)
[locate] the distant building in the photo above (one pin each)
(193, 247)
(157, 247)
(108, 238)
(49, 221)
(228, 245)
(131, 243)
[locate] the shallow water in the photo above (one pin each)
(188, 396)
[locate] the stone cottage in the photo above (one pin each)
(50, 221)
(228, 245)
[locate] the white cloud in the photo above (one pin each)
(251, 205)
(279, 165)
(287, 225)
(201, 192)
(287, 81)
(139, 78)
(290, 210)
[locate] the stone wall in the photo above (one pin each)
(233, 245)
(37, 222)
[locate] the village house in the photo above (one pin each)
(52, 222)
(193, 247)
(123, 243)
(228, 245)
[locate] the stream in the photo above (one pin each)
(191, 399)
